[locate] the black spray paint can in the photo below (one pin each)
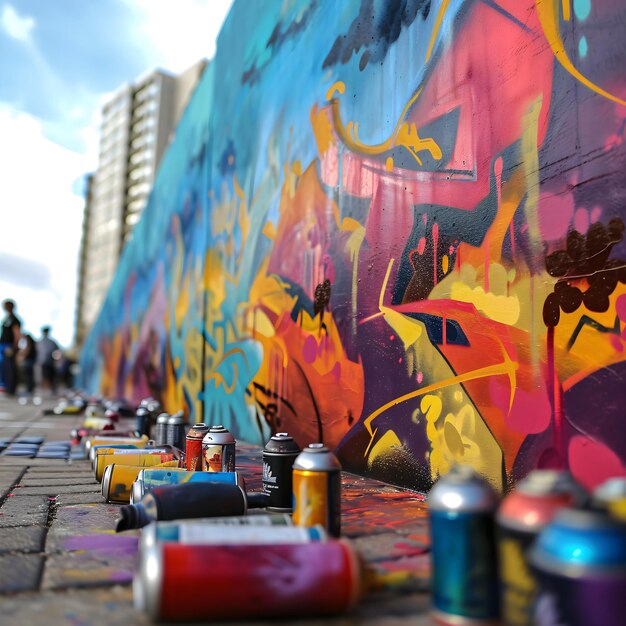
(185, 501)
(279, 454)
(176, 431)
(142, 421)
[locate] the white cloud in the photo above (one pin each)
(180, 32)
(41, 219)
(15, 25)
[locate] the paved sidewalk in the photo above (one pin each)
(62, 563)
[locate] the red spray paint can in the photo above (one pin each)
(247, 581)
(193, 447)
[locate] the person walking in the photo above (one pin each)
(9, 340)
(47, 352)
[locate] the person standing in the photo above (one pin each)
(47, 352)
(9, 340)
(26, 358)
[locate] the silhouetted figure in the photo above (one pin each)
(9, 340)
(47, 354)
(26, 358)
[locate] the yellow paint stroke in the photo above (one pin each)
(445, 263)
(384, 445)
(217, 376)
(438, 21)
(219, 379)
(244, 220)
(269, 230)
(404, 134)
(337, 87)
(530, 161)
(322, 129)
(501, 308)
(566, 10)
(353, 246)
(507, 367)
(548, 11)
(389, 164)
(530, 164)
(408, 329)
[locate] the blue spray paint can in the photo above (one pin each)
(465, 574)
(580, 563)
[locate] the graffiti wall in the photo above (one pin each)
(396, 226)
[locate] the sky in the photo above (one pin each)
(59, 61)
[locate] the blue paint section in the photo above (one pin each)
(582, 9)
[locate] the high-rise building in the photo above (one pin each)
(137, 124)
(79, 320)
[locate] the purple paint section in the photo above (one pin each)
(102, 543)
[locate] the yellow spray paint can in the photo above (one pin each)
(317, 489)
(138, 442)
(138, 458)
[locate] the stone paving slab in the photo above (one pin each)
(78, 520)
(8, 479)
(42, 480)
(23, 539)
(93, 564)
(20, 572)
(92, 497)
(55, 490)
(44, 469)
(24, 511)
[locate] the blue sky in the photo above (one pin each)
(59, 61)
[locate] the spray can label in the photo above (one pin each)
(218, 458)
(518, 583)
(316, 499)
(193, 454)
(239, 535)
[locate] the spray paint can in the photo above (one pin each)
(580, 562)
(317, 489)
(186, 501)
(108, 449)
(279, 455)
(152, 477)
(465, 578)
(324, 577)
(175, 432)
(193, 446)
(142, 421)
(218, 450)
(521, 516)
(124, 449)
(113, 440)
(171, 531)
(160, 434)
(118, 480)
(138, 458)
(611, 495)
